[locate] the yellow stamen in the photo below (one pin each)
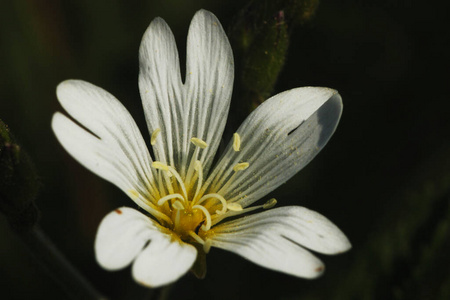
(199, 168)
(270, 203)
(134, 194)
(207, 226)
(234, 206)
(218, 197)
(241, 166)
(178, 177)
(196, 237)
(169, 197)
(154, 136)
(236, 142)
(199, 142)
(160, 166)
(190, 173)
(149, 206)
(178, 205)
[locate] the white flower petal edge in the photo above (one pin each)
(275, 239)
(164, 261)
(200, 106)
(277, 140)
(122, 238)
(114, 149)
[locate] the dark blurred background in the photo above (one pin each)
(384, 178)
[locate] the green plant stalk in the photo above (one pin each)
(57, 266)
(260, 35)
(19, 185)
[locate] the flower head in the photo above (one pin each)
(186, 202)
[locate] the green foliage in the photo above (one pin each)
(260, 39)
(18, 183)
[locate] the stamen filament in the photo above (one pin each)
(199, 169)
(191, 169)
(163, 167)
(149, 206)
(168, 181)
(169, 197)
(196, 237)
(207, 215)
(238, 167)
(162, 190)
(228, 182)
(178, 205)
(200, 145)
(218, 197)
(180, 181)
(218, 217)
(177, 217)
(207, 245)
(160, 166)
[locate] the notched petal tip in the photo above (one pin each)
(121, 236)
(162, 262)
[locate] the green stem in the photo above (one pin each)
(57, 266)
(163, 293)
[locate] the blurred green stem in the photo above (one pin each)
(19, 185)
(259, 36)
(57, 266)
(164, 292)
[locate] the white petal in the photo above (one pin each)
(197, 109)
(278, 139)
(272, 239)
(161, 88)
(125, 235)
(114, 149)
(121, 236)
(163, 261)
(209, 82)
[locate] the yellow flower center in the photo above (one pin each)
(185, 206)
(180, 203)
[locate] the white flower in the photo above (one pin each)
(184, 200)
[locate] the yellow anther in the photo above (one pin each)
(241, 166)
(234, 206)
(207, 245)
(236, 142)
(178, 205)
(270, 203)
(155, 135)
(160, 166)
(199, 143)
(134, 194)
